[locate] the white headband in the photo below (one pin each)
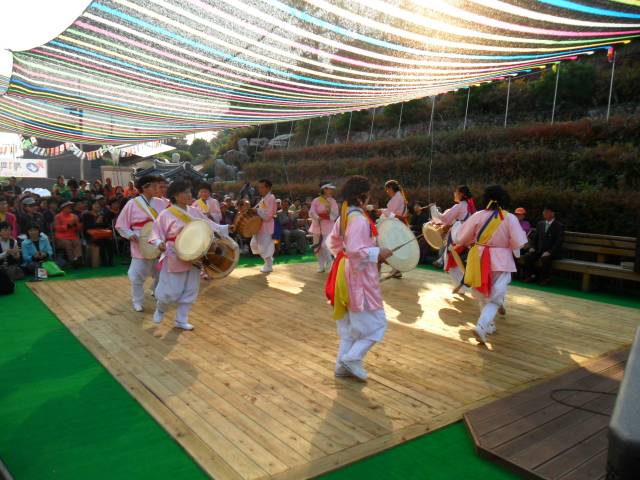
(328, 185)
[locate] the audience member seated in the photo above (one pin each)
(29, 216)
(293, 237)
(35, 249)
(73, 192)
(303, 218)
(67, 228)
(96, 188)
(98, 233)
(7, 216)
(9, 253)
(546, 246)
(419, 217)
(131, 191)
(12, 189)
(521, 213)
(60, 187)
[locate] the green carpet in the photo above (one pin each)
(63, 416)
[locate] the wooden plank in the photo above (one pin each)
(593, 469)
(254, 382)
(604, 250)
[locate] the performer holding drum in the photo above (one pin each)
(262, 242)
(454, 217)
(323, 213)
(493, 234)
(353, 287)
(396, 208)
(134, 223)
(179, 278)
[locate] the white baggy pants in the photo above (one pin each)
(262, 244)
(181, 288)
(139, 270)
(489, 305)
(359, 331)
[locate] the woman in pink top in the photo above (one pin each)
(134, 216)
(454, 217)
(206, 204)
(179, 281)
(353, 241)
(396, 208)
(323, 213)
(262, 243)
(506, 238)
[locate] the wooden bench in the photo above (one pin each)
(602, 247)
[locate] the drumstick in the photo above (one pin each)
(407, 243)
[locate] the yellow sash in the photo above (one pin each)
(324, 202)
(2, 217)
(473, 273)
(152, 210)
(203, 205)
(341, 296)
(179, 214)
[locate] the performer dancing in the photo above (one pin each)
(136, 214)
(262, 243)
(353, 287)
(454, 217)
(179, 281)
(206, 204)
(163, 185)
(396, 208)
(494, 234)
(323, 213)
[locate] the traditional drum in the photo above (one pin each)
(149, 252)
(398, 237)
(194, 240)
(435, 234)
(222, 257)
(248, 224)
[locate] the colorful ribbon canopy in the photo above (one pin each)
(137, 70)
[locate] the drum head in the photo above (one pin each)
(193, 241)
(148, 251)
(222, 258)
(249, 225)
(432, 235)
(391, 234)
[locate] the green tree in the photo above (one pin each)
(200, 150)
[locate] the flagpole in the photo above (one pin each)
(433, 111)
(290, 135)
(349, 127)
(306, 142)
(613, 69)
(400, 120)
(506, 109)
(466, 110)
(326, 136)
(372, 120)
(555, 94)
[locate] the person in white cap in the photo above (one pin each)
(262, 243)
(136, 214)
(323, 213)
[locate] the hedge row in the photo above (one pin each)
(597, 211)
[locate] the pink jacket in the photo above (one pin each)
(396, 206)
(509, 236)
(361, 268)
(452, 215)
(133, 217)
(266, 209)
(167, 227)
(213, 209)
(321, 226)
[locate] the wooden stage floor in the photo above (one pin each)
(250, 393)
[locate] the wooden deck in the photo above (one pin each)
(554, 430)
(250, 393)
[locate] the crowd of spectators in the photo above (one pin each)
(75, 225)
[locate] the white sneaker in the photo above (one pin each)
(355, 368)
(157, 316)
(481, 334)
(266, 269)
(184, 326)
(491, 329)
(138, 308)
(320, 270)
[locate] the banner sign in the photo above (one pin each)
(23, 168)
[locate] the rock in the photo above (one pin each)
(234, 156)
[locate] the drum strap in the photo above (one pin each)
(203, 205)
(179, 214)
(146, 207)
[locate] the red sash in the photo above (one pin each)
(451, 262)
(141, 224)
(330, 285)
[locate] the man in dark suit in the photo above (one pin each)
(546, 246)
